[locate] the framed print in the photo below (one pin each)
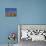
(32, 32)
(10, 12)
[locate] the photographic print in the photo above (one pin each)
(10, 11)
(33, 32)
(28, 34)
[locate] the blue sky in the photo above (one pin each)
(10, 9)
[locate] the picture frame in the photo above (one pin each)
(11, 12)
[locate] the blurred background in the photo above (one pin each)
(28, 12)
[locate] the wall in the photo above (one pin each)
(7, 24)
(28, 12)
